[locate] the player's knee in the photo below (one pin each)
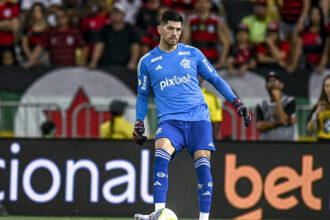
(202, 153)
(165, 144)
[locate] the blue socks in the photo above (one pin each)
(162, 159)
(205, 184)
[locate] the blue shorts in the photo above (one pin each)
(195, 135)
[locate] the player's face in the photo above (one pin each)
(170, 32)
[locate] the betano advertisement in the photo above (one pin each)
(252, 180)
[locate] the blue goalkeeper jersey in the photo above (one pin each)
(173, 78)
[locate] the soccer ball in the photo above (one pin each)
(163, 214)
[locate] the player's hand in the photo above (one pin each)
(138, 132)
(242, 111)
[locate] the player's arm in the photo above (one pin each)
(290, 110)
(186, 35)
(34, 56)
(141, 103)
(10, 25)
(263, 125)
(206, 70)
(98, 49)
(224, 38)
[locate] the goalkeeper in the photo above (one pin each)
(171, 71)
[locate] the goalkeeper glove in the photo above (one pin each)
(138, 132)
(242, 111)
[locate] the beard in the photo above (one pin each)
(171, 42)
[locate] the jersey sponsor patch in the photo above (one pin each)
(174, 81)
(144, 85)
(156, 59)
(184, 53)
(207, 65)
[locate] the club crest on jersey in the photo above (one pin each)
(156, 59)
(185, 63)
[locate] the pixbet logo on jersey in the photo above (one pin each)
(174, 81)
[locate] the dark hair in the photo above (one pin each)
(30, 13)
(323, 96)
(171, 15)
(323, 31)
(116, 108)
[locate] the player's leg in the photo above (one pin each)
(200, 147)
(163, 153)
(205, 183)
(169, 141)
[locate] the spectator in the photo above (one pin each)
(313, 43)
(242, 53)
(148, 15)
(205, 30)
(26, 5)
(320, 117)
(37, 24)
(131, 9)
(185, 6)
(117, 127)
(258, 22)
(93, 23)
(276, 116)
(8, 58)
(52, 7)
(61, 43)
(215, 109)
(8, 25)
(118, 40)
(273, 51)
(48, 129)
(293, 14)
(152, 36)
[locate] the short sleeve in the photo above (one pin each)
(134, 37)
(15, 11)
(44, 40)
(80, 42)
(259, 114)
(290, 108)
(101, 35)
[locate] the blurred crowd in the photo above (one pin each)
(289, 34)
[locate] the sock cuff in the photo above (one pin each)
(202, 161)
(163, 154)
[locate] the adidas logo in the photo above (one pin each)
(211, 144)
(207, 193)
(157, 183)
(159, 67)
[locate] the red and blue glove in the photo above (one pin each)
(138, 132)
(242, 111)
